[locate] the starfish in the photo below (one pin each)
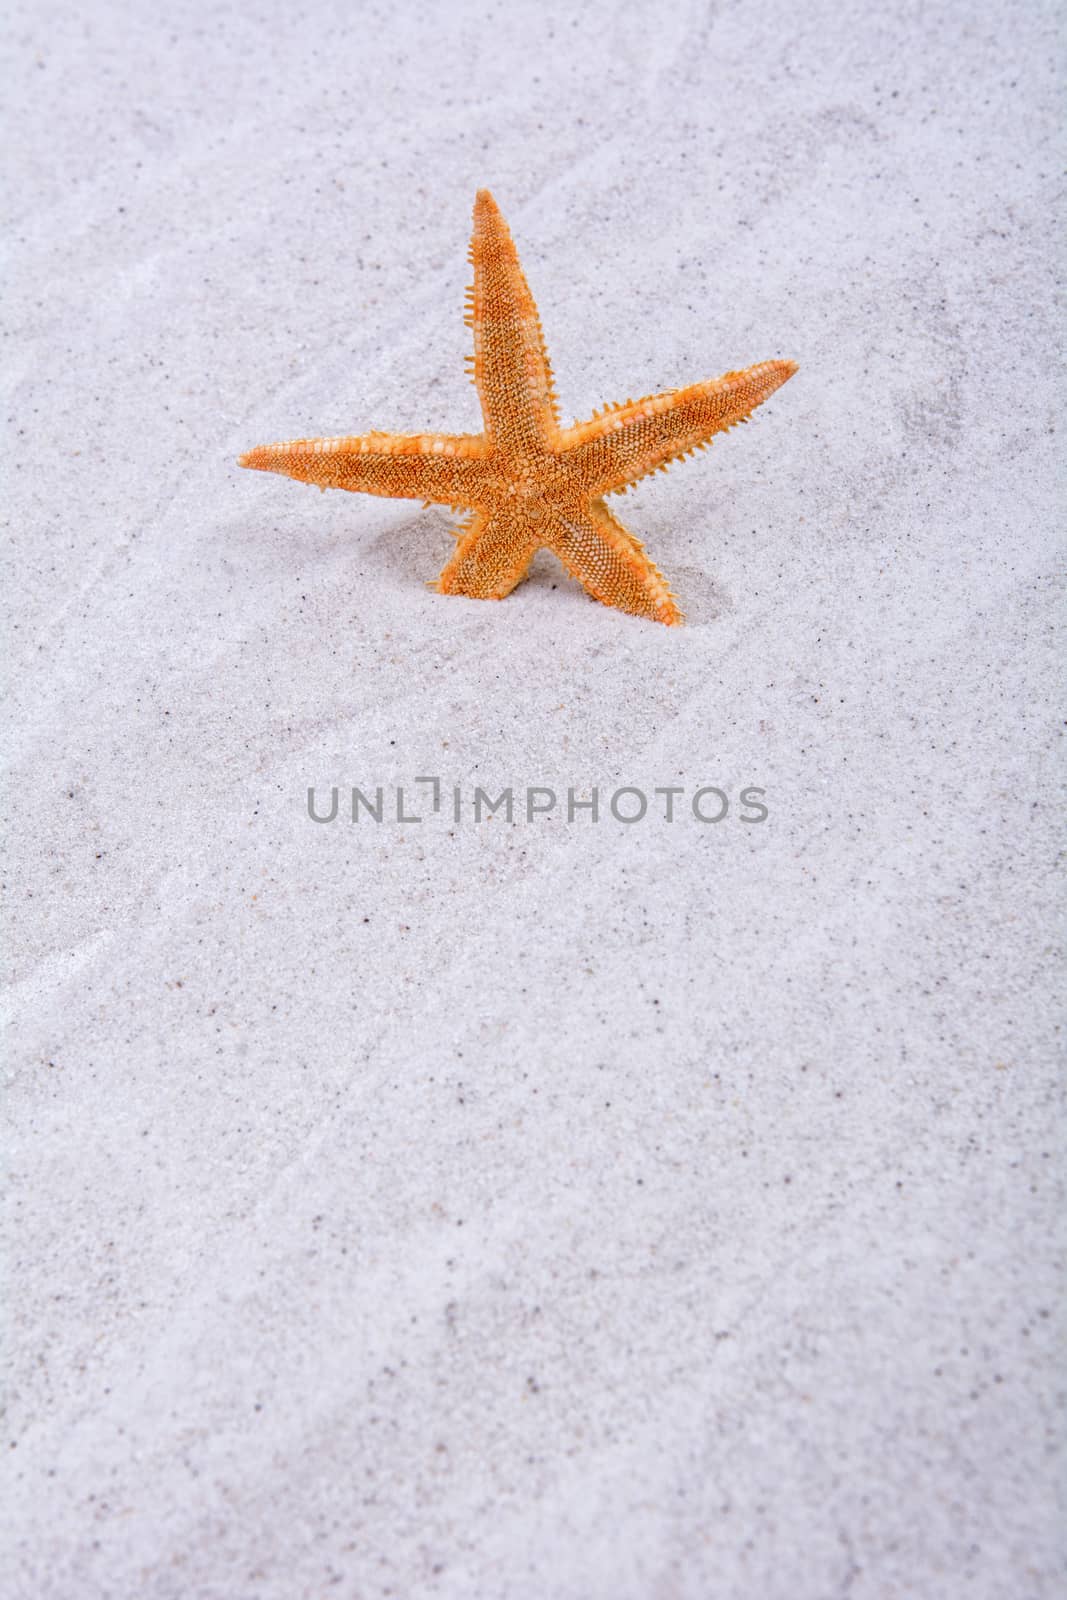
(525, 482)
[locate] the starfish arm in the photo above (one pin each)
(493, 553)
(611, 563)
(448, 469)
(511, 369)
(615, 449)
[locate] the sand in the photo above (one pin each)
(555, 1208)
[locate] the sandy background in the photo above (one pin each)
(549, 1210)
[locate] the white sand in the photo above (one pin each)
(651, 1212)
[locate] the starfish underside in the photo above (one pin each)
(526, 482)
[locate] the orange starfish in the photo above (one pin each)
(526, 481)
